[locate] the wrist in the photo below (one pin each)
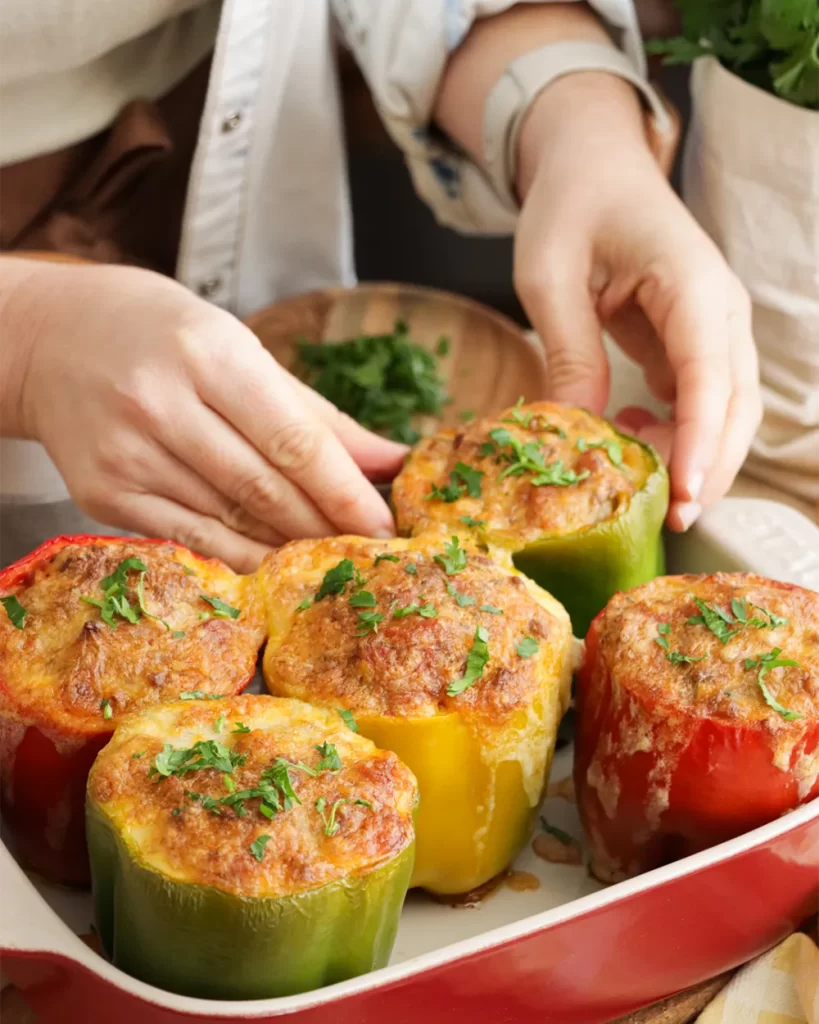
(582, 116)
(22, 312)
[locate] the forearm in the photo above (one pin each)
(22, 317)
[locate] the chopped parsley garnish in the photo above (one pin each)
(462, 600)
(426, 611)
(240, 727)
(230, 785)
(348, 719)
(529, 457)
(107, 713)
(203, 754)
(218, 725)
(491, 609)
(330, 760)
(115, 604)
(177, 634)
(465, 415)
(329, 820)
(221, 610)
(336, 579)
(368, 623)
(463, 479)
(453, 560)
(486, 449)
(363, 599)
(527, 647)
(258, 845)
(15, 611)
(676, 658)
(139, 753)
(612, 447)
(303, 605)
(766, 662)
(517, 415)
(411, 569)
(176, 812)
(558, 833)
(469, 521)
(201, 695)
(475, 663)
(385, 558)
(188, 571)
(720, 621)
(382, 381)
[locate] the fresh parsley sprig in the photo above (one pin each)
(329, 819)
(476, 662)
(453, 560)
(765, 663)
(529, 457)
(15, 611)
(613, 448)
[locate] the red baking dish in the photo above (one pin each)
(567, 950)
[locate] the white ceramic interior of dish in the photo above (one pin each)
(738, 534)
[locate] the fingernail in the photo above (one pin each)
(384, 534)
(693, 486)
(687, 514)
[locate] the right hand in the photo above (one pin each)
(166, 416)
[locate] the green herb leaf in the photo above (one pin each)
(612, 447)
(469, 521)
(176, 812)
(200, 695)
(530, 458)
(139, 754)
(487, 448)
(682, 659)
(385, 558)
(303, 605)
(230, 785)
(465, 415)
(411, 569)
(107, 712)
(765, 663)
(442, 348)
(15, 611)
(363, 599)
(220, 609)
(470, 477)
(329, 820)
(517, 415)
(177, 634)
(491, 609)
(336, 579)
(454, 559)
(219, 723)
(257, 847)
(203, 754)
(349, 721)
(330, 760)
(476, 661)
(527, 647)
(368, 623)
(462, 600)
(558, 833)
(715, 619)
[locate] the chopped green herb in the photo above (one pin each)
(368, 622)
(176, 812)
(200, 695)
(203, 754)
(558, 833)
(221, 610)
(329, 820)
(465, 415)
(336, 579)
(258, 845)
(471, 478)
(487, 448)
(303, 605)
(230, 785)
(188, 571)
(682, 659)
(491, 609)
(426, 611)
(141, 753)
(765, 663)
(382, 381)
(462, 600)
(115, 600)
(517, 415)
(527, 647)
(664, 628)
(469, 521)
(363, 599)
(107, 713)
(385, 558)
(530, 458)
(476, 662)
(715, 619)
(240, 727)
(463, 479)
(330, 760)
(442, 348)
(268, 812)
(177, 634)
(15, 611)
(219, 723)
(612, 447)
(411, 569)
(349, 721)
(454, 559)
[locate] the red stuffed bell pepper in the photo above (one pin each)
(698, 716)
(92, 628)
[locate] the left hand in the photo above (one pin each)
(604, 243)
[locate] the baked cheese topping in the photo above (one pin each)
(537, 470)
(734, 646)
(285, 798)
(114, 625)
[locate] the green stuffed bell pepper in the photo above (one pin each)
(247, 847)
(578, 505)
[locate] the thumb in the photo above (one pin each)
(561, 310)
(377, 457)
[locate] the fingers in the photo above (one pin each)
(154, 516)
(553, 288)
(269, 411)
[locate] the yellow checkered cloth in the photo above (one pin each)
(779, 987)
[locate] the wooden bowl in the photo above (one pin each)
(490, 362)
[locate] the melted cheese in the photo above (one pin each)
(170, 832)
(514, 511)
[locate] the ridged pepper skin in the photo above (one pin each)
(472, 820)
(199, 941)
(584, 569)
(45, 759)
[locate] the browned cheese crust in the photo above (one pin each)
(404, 666)
(720, 685)
(172, 832)
(513, 510)
(66, 661)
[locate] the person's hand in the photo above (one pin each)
(166, 416)
(603, 242)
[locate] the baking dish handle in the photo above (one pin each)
(27, 923)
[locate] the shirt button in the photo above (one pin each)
(231, 121)
(209, 288)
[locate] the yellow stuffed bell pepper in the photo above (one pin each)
(455, 662)
(578, 505)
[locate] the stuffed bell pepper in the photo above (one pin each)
(697, 716)
(578, 505)
(459, 665)
(92, 628)
(247, 848)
